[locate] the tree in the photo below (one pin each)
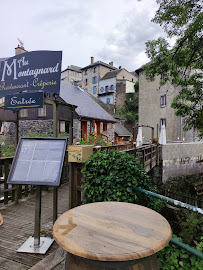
(181, 64)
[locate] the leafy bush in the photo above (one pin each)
(173, 257)
(191, 225)
(7, 146)
(38, 133)
(183, 184)
(113, 176)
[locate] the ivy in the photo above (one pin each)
(113, 176)
(173, 258)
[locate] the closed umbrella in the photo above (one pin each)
(162, 137)
(139, 137)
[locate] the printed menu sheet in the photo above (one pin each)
(39, 161)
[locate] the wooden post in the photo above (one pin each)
(71, 166)
(6, 171)
(55, 119)
(17, 128)
(143, 158)
(55, 133)
(152, 134)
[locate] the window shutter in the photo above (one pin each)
(87, 81)
(92, 79)
(113, 87)
(96, 79)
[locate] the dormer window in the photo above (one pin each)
(86, 72)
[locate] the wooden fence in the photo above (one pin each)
(13, 193)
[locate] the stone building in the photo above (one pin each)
(92, 74)
(155, 110)
(89, 117)
(114, 86)
(72, 74)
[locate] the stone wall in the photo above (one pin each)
(181, 159)
(28, 125)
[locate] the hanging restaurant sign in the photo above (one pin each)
(24, 101)
(38, 70)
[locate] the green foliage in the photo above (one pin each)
(130, 112)
(113, 176)
(173, 257)
(181, 65)
(38, 133)
(183, 184)
(93, 139)
(136, 87)
(7, 147)
(190, 226)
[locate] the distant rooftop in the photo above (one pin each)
(111, 74)
(86, 105)
(99, 63)
(121, 130)
(73, 68)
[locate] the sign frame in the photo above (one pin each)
(35, 70)
(24, 101)
(16, 160)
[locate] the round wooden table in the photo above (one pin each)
(111, 235)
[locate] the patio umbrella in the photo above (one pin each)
(139, 137)
(162, 137)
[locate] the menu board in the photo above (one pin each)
(38, 161)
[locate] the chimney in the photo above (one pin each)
(92, 60)
(19, 50)
(111, 63)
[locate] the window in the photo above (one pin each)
(106, 88)
(94, 90)
(86, 81)
(24, 113)
(104, 126)
(163, 101)
(112, 87)
(85, 72)
(102, 89)
(94, 79)
(42, 111)
(63, 126)
(95, 69)
(132, 80)
(86, 89)
(162, 122)
(107, 100)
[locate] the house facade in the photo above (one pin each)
(114, 86)
(92, 74)
(72, 74)
(155, 110)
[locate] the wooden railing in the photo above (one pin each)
(11, 192)
(148, 156)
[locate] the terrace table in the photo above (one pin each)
(111, 235)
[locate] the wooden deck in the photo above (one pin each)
(19, 225)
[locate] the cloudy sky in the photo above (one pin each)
(109, 30)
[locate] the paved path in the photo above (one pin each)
(19, 225)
